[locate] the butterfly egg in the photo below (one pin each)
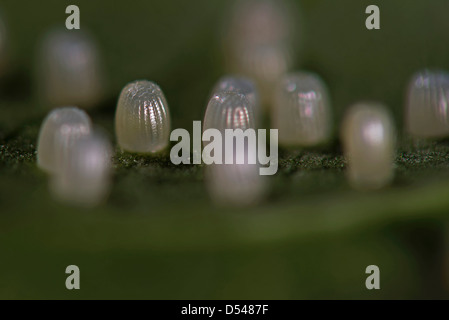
(260, 42)
(236, 184)
(369, 138)
(427, 108)
(84, 178)
(240, 85)
(68, 124)
(142, 119)
(302, 112)
(229, 110)
(266, 64)
(68, 70)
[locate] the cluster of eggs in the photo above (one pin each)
(76, 155)
(259, 45)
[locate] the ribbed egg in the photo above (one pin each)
(243, 86)
(302, 111)
(238, 84)
(427, 108)
(229, 110)
(239, 183)
(142, 119)
(369, 137)
(68, 70)
(67, 124)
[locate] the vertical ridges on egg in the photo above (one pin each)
(427, 106)
(240, 85)
(302, 111)
(243, 86)
(229, 110)
(232, 184)
(142, 119)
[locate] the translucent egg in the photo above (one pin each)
(240, 85)
(302, 111)
(238, 183)
(85, 175)
(243, 86)
(142, 119)
(260, 22)
(229, 110)
(427, 108)
(68, 70)
(235, 184)
(260, 42)
(266, 64)
(69, 124)
(369, 138)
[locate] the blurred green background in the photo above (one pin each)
(159, 236)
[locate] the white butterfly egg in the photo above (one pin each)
(66, 124)
(243, 86)
(142, 119)
(369, 138)
(266, 64)
(229, 110)
(427, 108)
(85, 175)
(260, 42)
(238, 84)
(236, 184)
(302, 111)
(69, 71)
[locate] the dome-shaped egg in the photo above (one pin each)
(302, 111)
(243, 86)
(84, 178)
(427, 108)
(238, 84)
(260, 42)
(229, 110)
(236, 184)
(142, 119)
(66, 124)
(369, 137)
(68, 70)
